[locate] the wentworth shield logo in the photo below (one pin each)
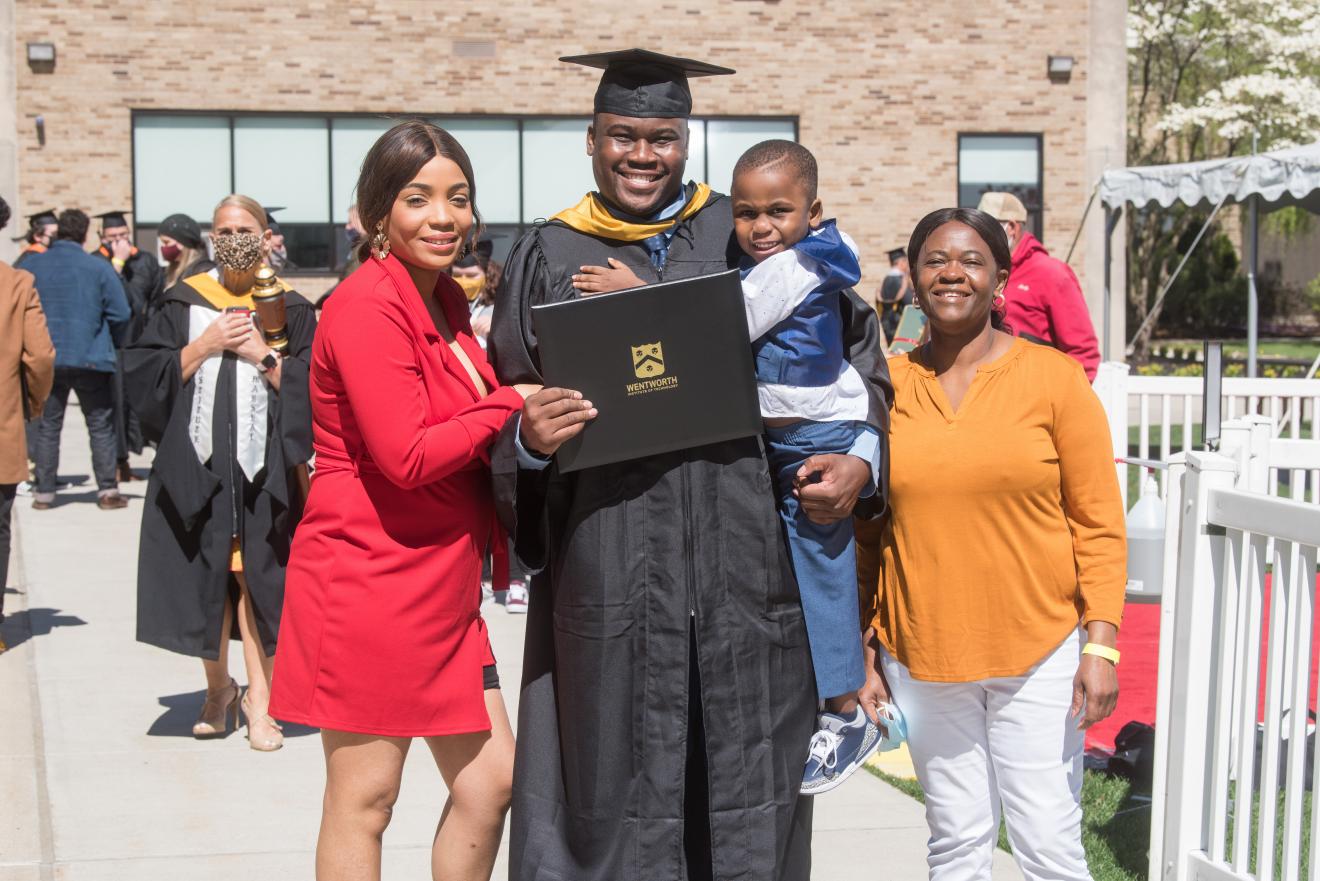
(648, 360)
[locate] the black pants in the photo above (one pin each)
(7, 492)
(96, 398)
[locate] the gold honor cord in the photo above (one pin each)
(593, 218)
(218, 295)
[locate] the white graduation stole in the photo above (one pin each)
(250, 402)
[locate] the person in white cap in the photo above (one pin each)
(1044, 299)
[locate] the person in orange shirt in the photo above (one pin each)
(1004, 542)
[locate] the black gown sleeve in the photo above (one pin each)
(295, 401)
(154, 386)
(141, 278)
(520, 494)
(862, 336)
(153, 374)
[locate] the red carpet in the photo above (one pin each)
(1138, 640)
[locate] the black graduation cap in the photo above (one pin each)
(41, 218)
(113, 218)
(896, 255)
(481, 254)
(486, 245)
(271, 223)
(645, 84)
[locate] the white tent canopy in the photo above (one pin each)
(1264, 180)
(1279, 178)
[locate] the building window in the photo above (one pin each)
(1012, 163)
(527, 168)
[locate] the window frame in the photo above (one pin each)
(1039, 138)
(146, 232)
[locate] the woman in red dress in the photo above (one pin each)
(382, 639)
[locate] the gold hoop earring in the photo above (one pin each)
(380, 243)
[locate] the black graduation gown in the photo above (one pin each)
(143, 279)
(192, 509)
(635, 560)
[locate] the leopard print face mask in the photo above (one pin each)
(237, 252)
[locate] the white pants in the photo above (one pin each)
(1009, 740)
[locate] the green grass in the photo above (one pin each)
(1115, 833)
(1116, 829)
(1279, 348)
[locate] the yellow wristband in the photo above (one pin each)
(1101, 651)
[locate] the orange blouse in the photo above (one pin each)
(1006, 528)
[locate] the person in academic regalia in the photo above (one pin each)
(279, 250)
(232, 423)
(40, 233)
(668, 697)
(141, 272)
(143, 282)
(183, 249)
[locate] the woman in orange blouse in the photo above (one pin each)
(1004, 542)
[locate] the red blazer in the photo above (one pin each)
(381, 630)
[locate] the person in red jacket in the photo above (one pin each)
(1045, 302)
(382, 637)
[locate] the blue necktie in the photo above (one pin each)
(658, 246)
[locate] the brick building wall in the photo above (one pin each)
(881, 89)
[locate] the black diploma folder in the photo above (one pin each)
(668, 366)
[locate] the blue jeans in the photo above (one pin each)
(97, 401)
(824, 557)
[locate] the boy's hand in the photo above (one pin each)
(617, 276)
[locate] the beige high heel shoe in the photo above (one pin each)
(264, 733)
(217, 713)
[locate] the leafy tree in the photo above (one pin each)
(1205, 75)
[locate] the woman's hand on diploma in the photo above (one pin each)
(552, 416)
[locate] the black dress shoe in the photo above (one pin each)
(38, 505)
(111, 502)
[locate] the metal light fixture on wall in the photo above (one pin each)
(41, 130)
(41, 57)
(1060, 68)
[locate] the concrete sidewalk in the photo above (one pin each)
(101, 780)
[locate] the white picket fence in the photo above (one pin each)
(1228, 532)
(1167, 411)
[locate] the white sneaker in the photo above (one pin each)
(487, 594)
(515, 603)
(24, 488)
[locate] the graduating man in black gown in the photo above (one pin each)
(667, 698)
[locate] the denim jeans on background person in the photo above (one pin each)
(96, 398)
(7, 493)
(824, 557)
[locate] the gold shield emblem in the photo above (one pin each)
(648, 360)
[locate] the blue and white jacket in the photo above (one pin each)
(794, 319)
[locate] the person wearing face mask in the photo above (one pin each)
(143, 282)
(473, 275)
(278, 257)
(184, 251)
(39, 235)
(232, 423)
